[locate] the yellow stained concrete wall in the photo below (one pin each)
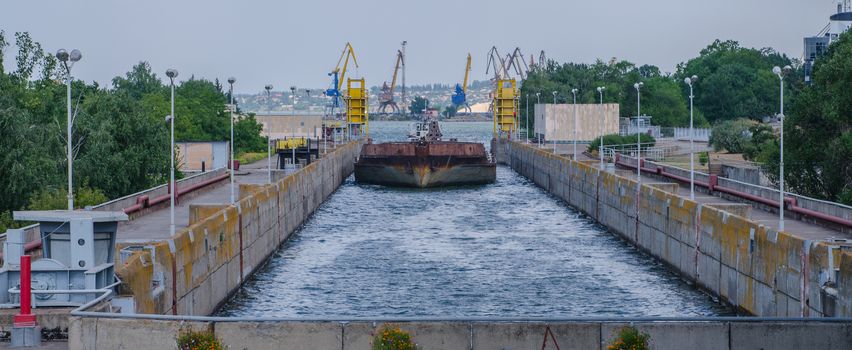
(752, 267)
(204, 263)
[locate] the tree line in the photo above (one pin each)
(120, 136)
(736, 89)
(734, 82)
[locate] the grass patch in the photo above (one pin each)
(250, 157)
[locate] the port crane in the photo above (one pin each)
(498, 64)
(460, 94)
(339, 74)
(386, 96)
(516, 62)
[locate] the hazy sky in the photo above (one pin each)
(298, 42)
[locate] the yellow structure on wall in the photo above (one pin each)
(505, 108)
(357, 106)
(290, 143)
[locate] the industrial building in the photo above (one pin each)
(817, 46)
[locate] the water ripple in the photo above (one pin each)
(507, 249)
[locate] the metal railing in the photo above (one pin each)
(648, 151)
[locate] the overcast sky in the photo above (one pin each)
(289, 42)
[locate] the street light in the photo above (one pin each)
(268, 134)
(603, 131)
(554, 121)
(527, 125)
(172, 74)
(537, 102)
(63, 56)
(574, 92)
(638, 86)
(780, 73)
(690, 81)
(231, 108)
(293, 95)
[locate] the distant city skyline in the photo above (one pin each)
(284, 44)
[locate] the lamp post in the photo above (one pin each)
(690, 81)
(554, 121)
(574, 92)
(780, 73)
(603, 127)
(537, 102)
(231, 108)
(172, 74)
(64, 57)
(527, 125)
(638, 86)
(293, 95)
(268, 134)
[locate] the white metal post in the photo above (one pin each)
(638, 137)
(603, 128)
(574, 91)
(691, 142)
(268, 135)
(781, 173)
(538, 102)
(527, 127)
(172, 167)
(555, 119)
(231, 81)
(70, 147)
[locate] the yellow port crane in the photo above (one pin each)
(386, 96)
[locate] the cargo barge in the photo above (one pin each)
(425, 161)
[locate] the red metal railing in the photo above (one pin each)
(712, 185)
(143, 202)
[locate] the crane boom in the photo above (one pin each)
(516, 61)
(466, 74)
(348, 51)
(399, 60)
(495, 60)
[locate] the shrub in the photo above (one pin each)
(733, 136)
(393, 339)
(703, 158)
(616, 139)
(203, 340)
(629, 338)
(56, 199)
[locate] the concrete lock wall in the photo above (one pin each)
(196, 270)
(752, 267)
(114, 333)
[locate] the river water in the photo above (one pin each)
(507, 250)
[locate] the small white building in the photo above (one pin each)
(555, 122)
(279, 126)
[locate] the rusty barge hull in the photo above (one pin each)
(424, 165)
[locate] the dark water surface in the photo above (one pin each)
(508, 249)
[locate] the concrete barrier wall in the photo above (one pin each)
(825, 207)
(111, 333)
(752, 267)
(196, 270)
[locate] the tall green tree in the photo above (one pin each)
(818, 131)
(120, 137)
(418, 105)
(734, 82)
